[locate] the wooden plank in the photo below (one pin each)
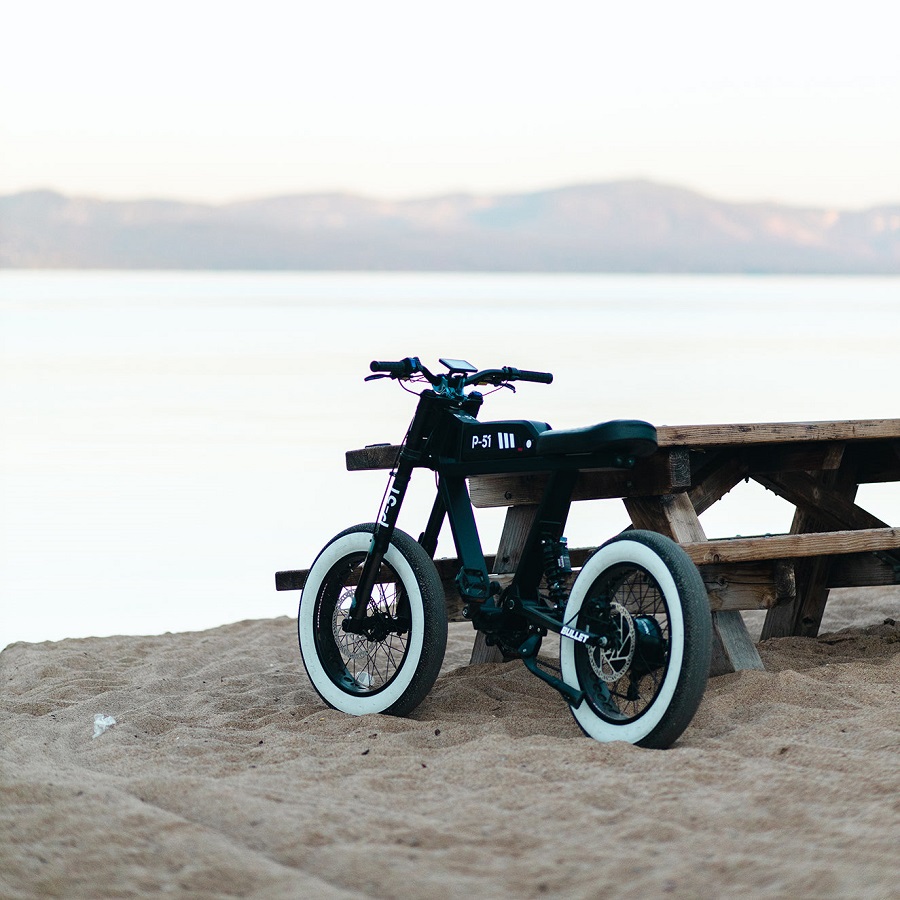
(733, 649)
(663, 473)
(792, 546)
(291, 579)
(376, 456)
(794, 457)
(732, 584)
(672, 515)
(776, 432)
(512, 540)
(741, 586)
(748, 586)
(758, 585)
(863, 570)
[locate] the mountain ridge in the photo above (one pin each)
(623, 226)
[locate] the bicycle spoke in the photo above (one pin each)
(623, 684)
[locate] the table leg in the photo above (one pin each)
(803, 615)
(674, 515)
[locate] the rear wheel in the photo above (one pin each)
(394, 667)
(643, 684)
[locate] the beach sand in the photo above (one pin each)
(226, 776)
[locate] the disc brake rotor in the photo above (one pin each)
(611, 663)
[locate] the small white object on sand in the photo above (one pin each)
(101, 723)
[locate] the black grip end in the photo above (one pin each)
(539, 377)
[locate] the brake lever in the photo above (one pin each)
(374, 377)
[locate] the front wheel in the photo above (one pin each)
(392, 670)
(644, 679)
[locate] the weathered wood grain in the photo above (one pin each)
(776, 432)
(756, 585)
(733, 649)
(378, 456)
(671, 514)
(863, 570)
(792, 546)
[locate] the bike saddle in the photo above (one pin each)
(629, 437)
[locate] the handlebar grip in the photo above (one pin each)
(539, 377)
(402, 369)
(389, 367)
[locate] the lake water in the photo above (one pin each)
(169, 440)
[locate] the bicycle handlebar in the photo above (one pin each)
(406, 368)
(506, 374)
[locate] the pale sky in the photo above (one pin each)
(791, 101)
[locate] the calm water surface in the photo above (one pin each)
(169, 440)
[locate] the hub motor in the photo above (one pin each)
(652, 647)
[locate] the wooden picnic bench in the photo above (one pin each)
(815, 466)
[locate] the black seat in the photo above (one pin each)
(625, 437)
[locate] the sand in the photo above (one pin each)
(226, 776)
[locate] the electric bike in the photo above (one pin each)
(634, 625)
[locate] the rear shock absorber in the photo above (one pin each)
(557, 569)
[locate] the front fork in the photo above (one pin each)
(410, 455)
(381, 540)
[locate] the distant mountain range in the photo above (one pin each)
(629, 226)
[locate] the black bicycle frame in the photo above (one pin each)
(516, 616)
(433, 441)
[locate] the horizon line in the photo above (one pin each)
(441, 195)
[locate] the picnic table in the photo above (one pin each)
(816, 466)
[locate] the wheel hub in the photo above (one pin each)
(376, 627)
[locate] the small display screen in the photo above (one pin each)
(458, 365)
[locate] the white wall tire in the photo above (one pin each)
(349, 672)
(668, 696)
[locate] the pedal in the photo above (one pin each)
(474, 584)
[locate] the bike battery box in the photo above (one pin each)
(498, 440)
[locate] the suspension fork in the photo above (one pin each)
(410, 455)
(381, 540)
